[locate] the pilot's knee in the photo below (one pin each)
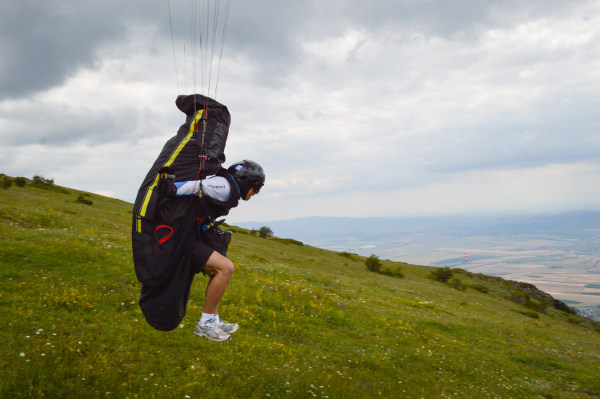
(219, 264)
(229, 267)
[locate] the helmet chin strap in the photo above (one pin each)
(240, 189)
(244, 188)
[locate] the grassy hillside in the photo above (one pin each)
(314, 323)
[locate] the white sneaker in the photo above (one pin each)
(229, 328)
(212, 331)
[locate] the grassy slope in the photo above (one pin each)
(313, 323)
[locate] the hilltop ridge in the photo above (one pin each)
(314, 323)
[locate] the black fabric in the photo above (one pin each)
(166, 182)
(215, 131)
(200, 254)
(165, 292)
(166, 269)
(187, 164)
(217, 239)
(184, 166)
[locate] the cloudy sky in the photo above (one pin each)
(354, 108)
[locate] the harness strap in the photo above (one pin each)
(165, 238)
(237, 186)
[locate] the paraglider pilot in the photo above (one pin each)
(191, 241)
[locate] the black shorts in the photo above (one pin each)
(200, 255)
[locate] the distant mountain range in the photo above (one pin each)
(323, 231)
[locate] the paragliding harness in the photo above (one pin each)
(210, 208)
(158, 217)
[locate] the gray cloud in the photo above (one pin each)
(44, 43)
(334, 98)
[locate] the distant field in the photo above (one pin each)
(568, 268)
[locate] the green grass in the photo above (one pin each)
(314, 323)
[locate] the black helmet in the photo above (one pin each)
(247, 174)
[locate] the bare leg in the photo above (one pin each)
(220, 269)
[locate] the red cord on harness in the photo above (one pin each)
(165, 238)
